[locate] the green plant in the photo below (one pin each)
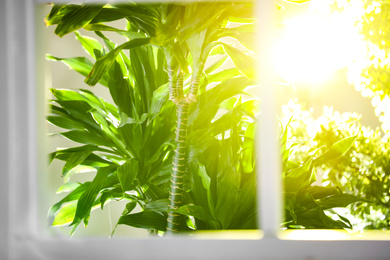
(364, 169)
(133, 143)
(142, 105)
(308, 205)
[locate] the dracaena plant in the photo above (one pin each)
(191, 171)
(125, 138)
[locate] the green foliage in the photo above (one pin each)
(364, 169)
(306, 204)
(130, 144)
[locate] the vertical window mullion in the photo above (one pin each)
(268, 166)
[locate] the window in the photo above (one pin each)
(22, 106)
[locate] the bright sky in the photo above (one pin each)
(316, 43)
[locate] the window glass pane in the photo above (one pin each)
(164, 140)
(332, 63)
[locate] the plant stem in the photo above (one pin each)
(179, 159)
(191, 97)
(178, 168)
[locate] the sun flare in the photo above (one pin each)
(311, 47)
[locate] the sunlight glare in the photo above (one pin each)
(312, 47)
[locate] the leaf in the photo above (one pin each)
(217, 64)
(74, 195)
(223, 75)
(128, 120)
(298, 177)
(127, 172)
(159, 206)
(228, 184)
(80, 111)
(65, 122)
(80, 64)
(87, 138)
(104, 63)
(289, 205)
(205, 111)
(76, 18)
(111, 191)
(338, 149)
(91, 160)
(195, 46)
(316, 218)
(57, 12)
(160, 97)
(75, 159)
(143, 17)
(245, 216)
(145, 219)
(199, 146)
(108, 14)
(102, 27)
(244, 63)
(204, 177)
(69, 186)
(129, 207)
(90, 45)
(195, 211)
(318, 192)
(120, 90)
(87, 199)
(339, 200)
(65, 215)
(153, 191)
(245, 34)
(248, 151)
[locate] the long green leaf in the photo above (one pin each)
(339, 200)
(92, 160)
(67, 187)
(89, 44)
(159, 206)
(298, 177)
(75, 159)
(74, 195)
(104, 63)
(316, 218)
(195, 211)
(57, 13)
(65, 215)
(127, 172)
(160, 97)
(338, 149)
(77, 18)
(245, 34)
(80, 64)
(245, 63)
(87, 199)
(101, 27)
(319, 192)
(145, 219)
(65, 122)
(87, 138)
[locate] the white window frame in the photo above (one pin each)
(22, 117)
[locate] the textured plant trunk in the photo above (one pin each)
(191, 97)
(179, 160)
(178, 168)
